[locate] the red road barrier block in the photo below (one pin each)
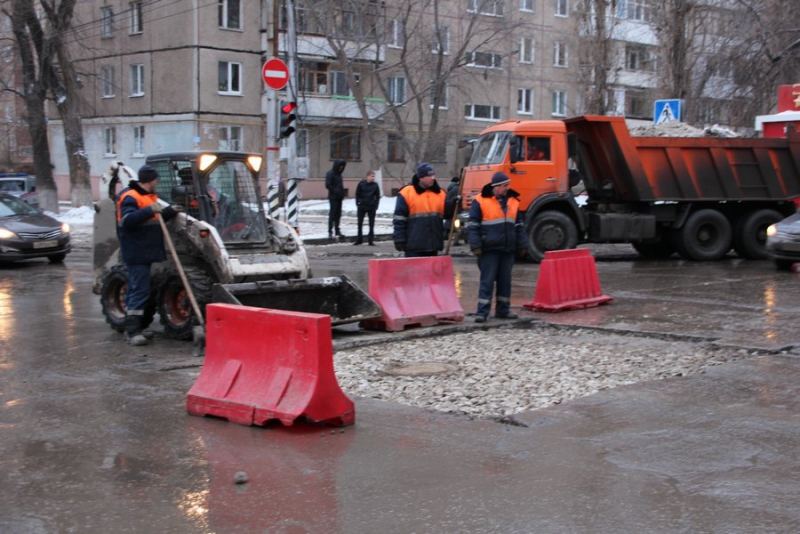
(567, 280)
(413, 291)
(264, 364)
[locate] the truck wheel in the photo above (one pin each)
(656, 249)
(550, 230)
(750, 236)
(706, 236)
(174, 304)
(112, 299)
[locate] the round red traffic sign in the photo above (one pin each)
(275, 74)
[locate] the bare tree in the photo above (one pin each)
(411, 57)
(49, 73)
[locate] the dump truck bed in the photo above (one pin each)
(650, 169)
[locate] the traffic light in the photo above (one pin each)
(288, 116)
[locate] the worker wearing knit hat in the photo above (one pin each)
(496, 233)
(147, 174)
(419, 215)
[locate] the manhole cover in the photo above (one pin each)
(420, 369)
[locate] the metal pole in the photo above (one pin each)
(292, 203)
(273, 146)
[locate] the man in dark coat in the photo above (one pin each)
(368, 196)
(419, 215)
(496, 233)
(141, 243)
(334, 183)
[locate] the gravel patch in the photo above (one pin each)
(497, 373)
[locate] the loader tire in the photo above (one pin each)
(550, 230)
(750, 236)
(175, 307)
(112, 299)
(706, 236)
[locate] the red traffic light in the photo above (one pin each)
(288, 107)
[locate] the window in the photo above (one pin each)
(486, 7)
(633, 9)
(230, 14)
(110, 137)
(441, 40)
(345, 145)
(484, 59)
(397, 34)
(396, 88)
(107, 78)
(526, 49)
(637, 105)
(137, 80)
(444, 99)
(559, 103)
(538, 149)
(637, 58)
(339, 82)
(301, 143)
(559, 54)
(482, 112)
(138, 141)
(230, 78)
(135, 25)
(562, 7)
(394, 149)
(107, 17)
(527, 5)
(230, 138)
(525, 101)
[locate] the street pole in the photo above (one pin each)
(292, 202)
(273, 146)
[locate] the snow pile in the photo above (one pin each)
(680, 129)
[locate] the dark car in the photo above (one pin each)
(783, 242)
(26, 232)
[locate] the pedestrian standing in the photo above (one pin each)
(496, 233)
(419, 215)
(142, 244)
(368, 196)
(334, 183)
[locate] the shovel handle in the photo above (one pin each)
(181, 272)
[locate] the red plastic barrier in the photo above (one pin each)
(567, 280)
(413, 291)
(263, 364)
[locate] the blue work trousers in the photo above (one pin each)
(138, 288)
(495, 270)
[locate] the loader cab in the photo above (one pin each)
(218, 188)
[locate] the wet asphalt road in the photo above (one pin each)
(95, 436)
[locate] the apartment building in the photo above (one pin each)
(382, 85)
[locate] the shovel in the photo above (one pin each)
(198, 331)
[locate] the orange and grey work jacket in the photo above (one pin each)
(419, 217)
(493, 227)
(140, 237)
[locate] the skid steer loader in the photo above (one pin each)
(223, 238)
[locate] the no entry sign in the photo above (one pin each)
(275, 74)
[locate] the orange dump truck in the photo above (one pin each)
(698, 197)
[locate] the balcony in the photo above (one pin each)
(318, 46)
(316, 108)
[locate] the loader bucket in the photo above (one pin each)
(336, 296)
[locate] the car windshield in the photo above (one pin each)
(491, 149)
(10, 206)
(12, 186)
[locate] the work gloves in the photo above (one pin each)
(156, 207)
(477, 251)
(399, 246)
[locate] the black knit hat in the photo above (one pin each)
(147, 174)
(500, 178)
(425, 169)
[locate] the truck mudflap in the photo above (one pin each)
(337, 296)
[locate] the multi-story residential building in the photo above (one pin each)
(382, 85)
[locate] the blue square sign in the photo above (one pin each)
(667, 111)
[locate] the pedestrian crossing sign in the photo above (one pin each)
(667, 111)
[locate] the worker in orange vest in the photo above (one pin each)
(419, 215)
(496, 233)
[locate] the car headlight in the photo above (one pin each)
(7, 234)
(772, 230)
(64, 228)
